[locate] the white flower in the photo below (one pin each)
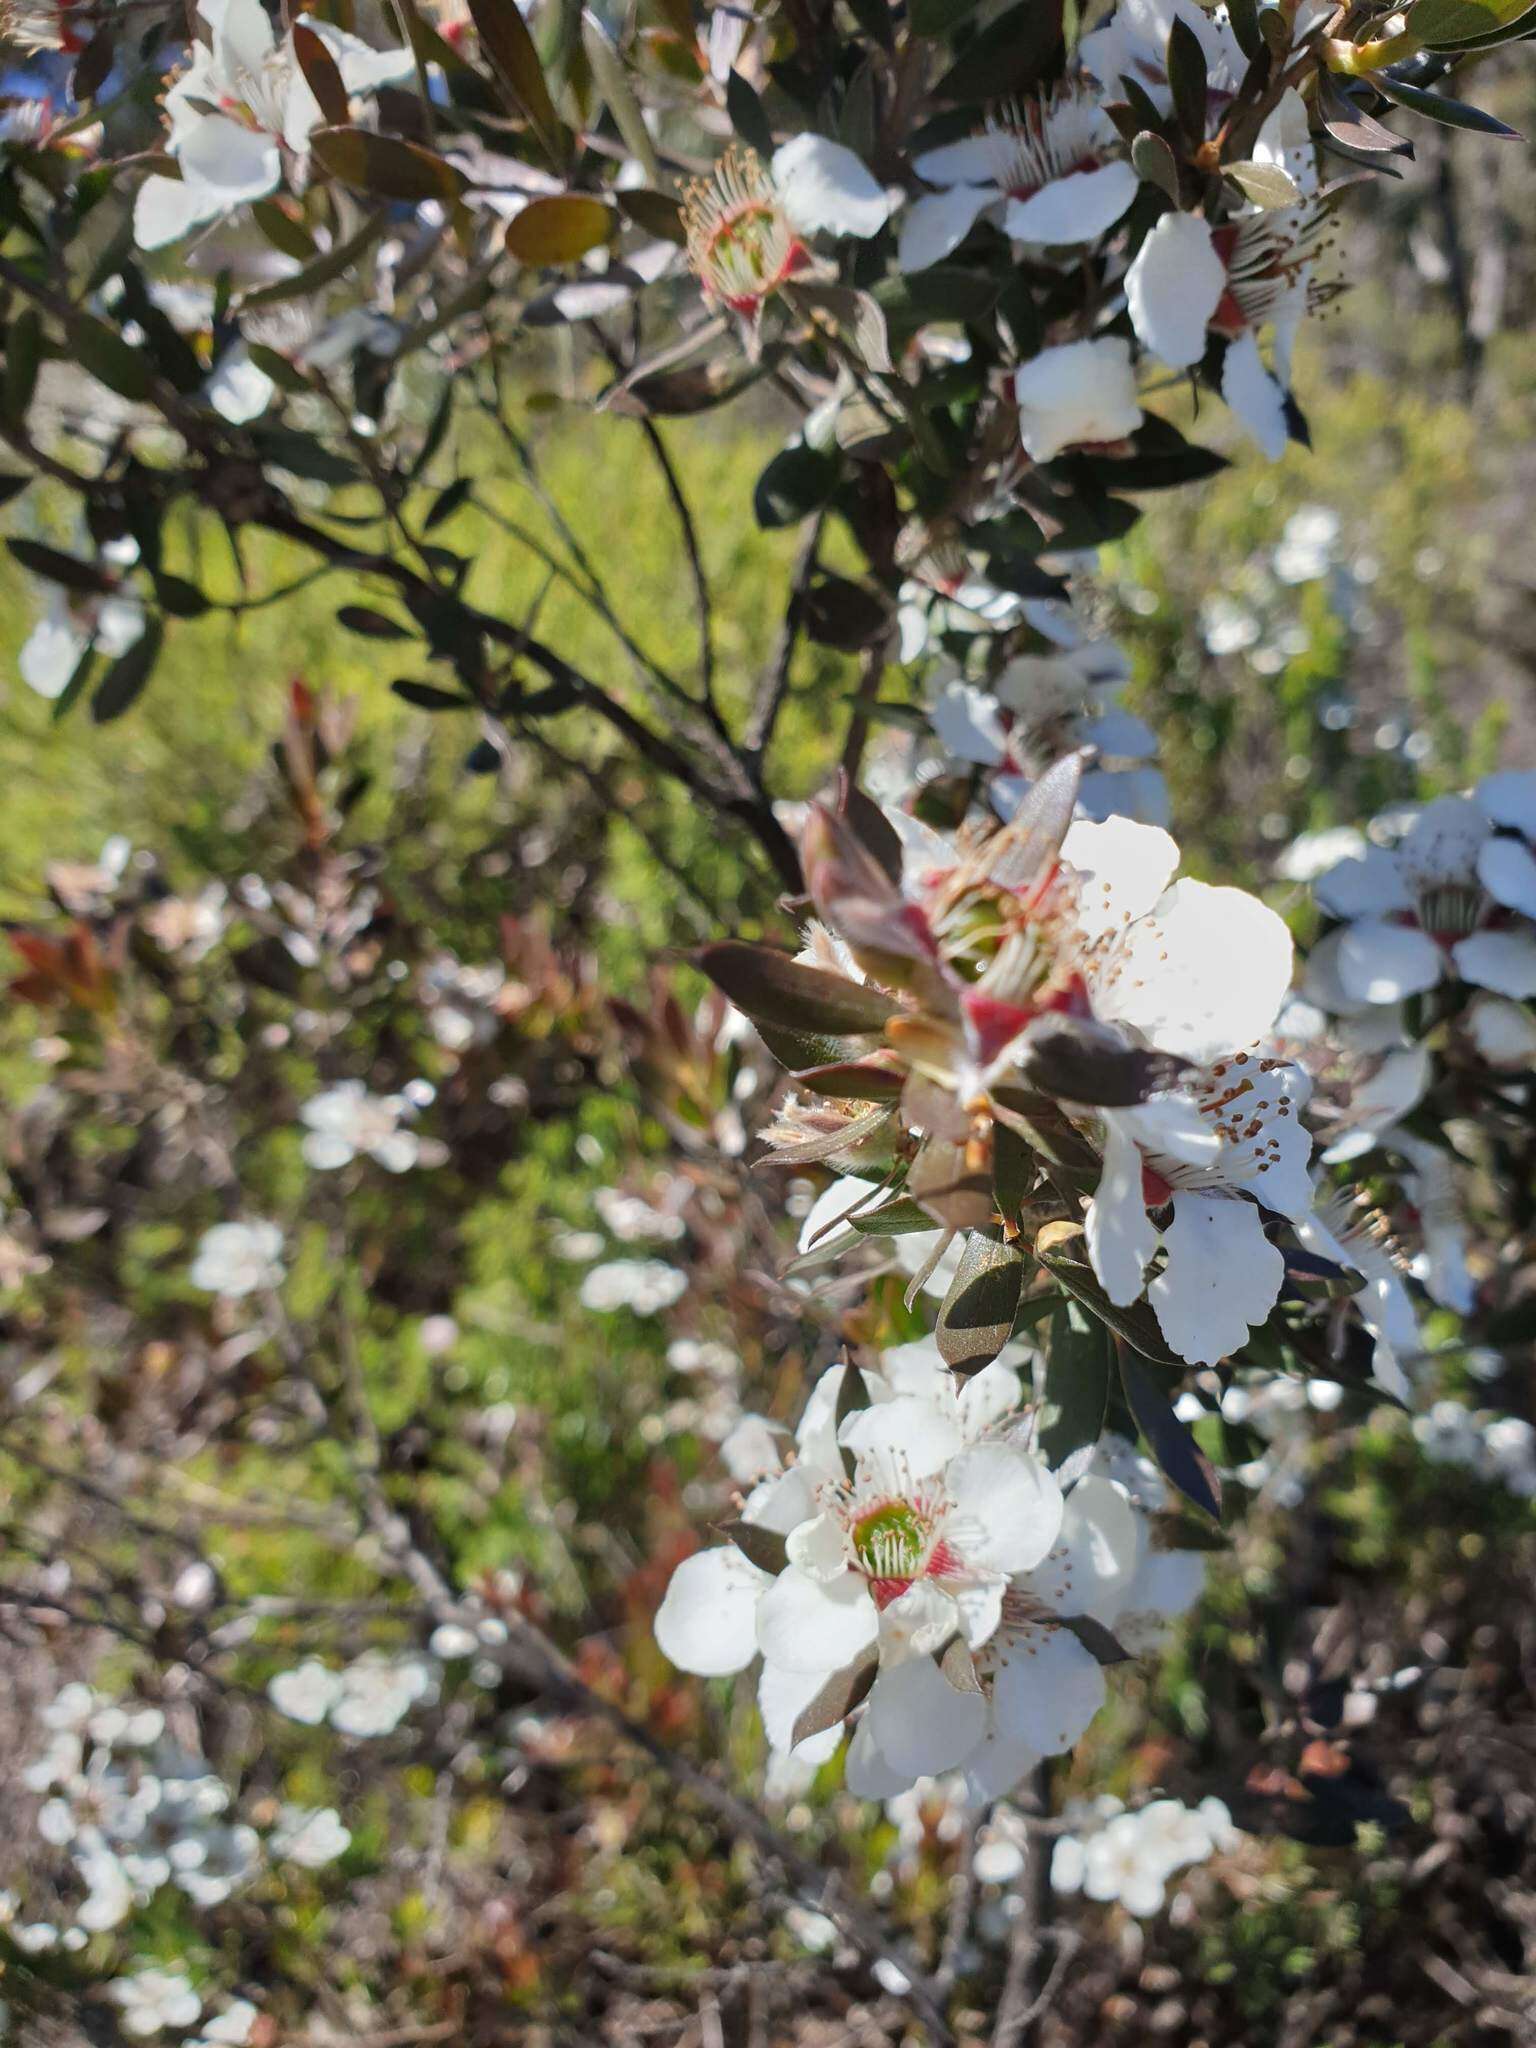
(237, 388)
(1419, 911)
(212, 1864)
(1449, 1435)
(1311, 854)
(1050, 172)
(1081, 394)
(154, 1999)
(377, 1692)
(643, 1286)
(75, 623)
(231, 2028)
(238, 1258)
(310, 1836)
(241, 101)
(1134, 43)
(633, 1221)
(1128, 1859)
(827, 190)
(1190, 278)
(307, 1693)
(1221, 1275)
(347, 1121)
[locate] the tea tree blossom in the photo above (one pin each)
(748, 225)
(310, 1836)
(236, 1259)
(1051, 172)
(75, 624)
(1127, 1859)
(1134, 43)
(241, 101)
(1080, 394)
(1191, 278)
(348, 1122)
(643, 1286)
(152, 2001)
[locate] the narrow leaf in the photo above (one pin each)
(125, 680)
(560, 228)
(771, 987)
(760, 1546)
(843, 1691)
(1179, 1457)
(976, 1320)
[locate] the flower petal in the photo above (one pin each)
(1254, 395)
(1382, 963)
(1173, 288)
(1046, 1691)
(233, 161)
(1502, 961)
(1509, 798)
(1203, 976)
(1122, 1237)
(1013, 1499)
(826, 189)
(1507, 870)
(1082, 392)
(919, 1723)
(1366, 884)
(165, 209)
(807, 1626)
(782, 1697)
(708, 1621)
(1222, 1278)
(936, 224)
(1504, 1033)
(1077, 208)
(1124, 869)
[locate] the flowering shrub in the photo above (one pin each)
(380, 1210)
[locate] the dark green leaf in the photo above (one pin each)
(1010, 55)
(335, 263)
(180, 599)
(1244, 17)
(504, 38)
(843, 1691)
(1095, 1638)
(321, 75)
(976, 1320)
(1455, 24)
(852, 1398)
(797, 482)
(384, 166)
(23, 358)
(427, 696)
(1435, 106)
(1155, 162)
(449, 500)
(747, 118)
(1187, 80)
(110, 359)
(372, 625)
(655, 213)
(124, 681)
(838, 613)
(1179, 1457)
(57, 567)
(759, 1546)
(1074, 1387)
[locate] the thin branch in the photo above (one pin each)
(773, 685)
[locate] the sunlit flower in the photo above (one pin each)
(152, 2000)
(1079, 395)
(643, 1286)
(310, 1836)
(1050, 171)
(347, 1122)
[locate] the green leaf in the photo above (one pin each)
(843, 1691)
(1187, 80)
(1451, 24)
(1073, 1387)
(179, 598)
(1179, 1458)
(938, 17)
(1244, 17)
(1011, 54)
(1435, 107)
(559, 228)
(372, 625)
(1059, 1248)
(23, 358)
(796, 483)
(1155, 163)
(1100, 1643)
(125, 680)
(852, 1399)
(110, 359)
(771, 988)
(384, 166)
(976, 1320)
(428, 697)
(57, 567)
(504, 38)
(325, 269)
(654, 213)
(452, 498)
(747, 118)
(1266, 185)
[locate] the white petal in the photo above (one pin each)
(363, 68)
(1222, 1278)
(1502, 961)
(825, 188)
(984, 159)
(1139, 793)
(238, 390)
(1121, 1235)
(918, 1723)
(1173, 288)
(1081, 393)
(835, 1201)
(1014, 1499)
(1078, 208)
(165, 209)
(1367, 884)
(938, 223)
(1443, 843)
(987, 1396)
(1507, 870)
(1102, 1537)
(1205, 974)
(1125, 867)
(782, 1696)
(905, 1438)
(1047, 1692)
(236, 162)
(967, 724)
(816, 1547)
(1254, 395)
(1121, 734)
(1503, 1032)
(807, 1626)
(242, 36)
(1383, 963)
(708, 1621)
(867, 1772)
(51, 653)
(1285, 141)
(1509, 798)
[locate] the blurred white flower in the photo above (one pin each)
(347, 1121)
(643, 1286)
(310, 1836)
(307, 1693)
(237, 1259)
(378, 1691)
(152, 2000)
(231, 2028)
